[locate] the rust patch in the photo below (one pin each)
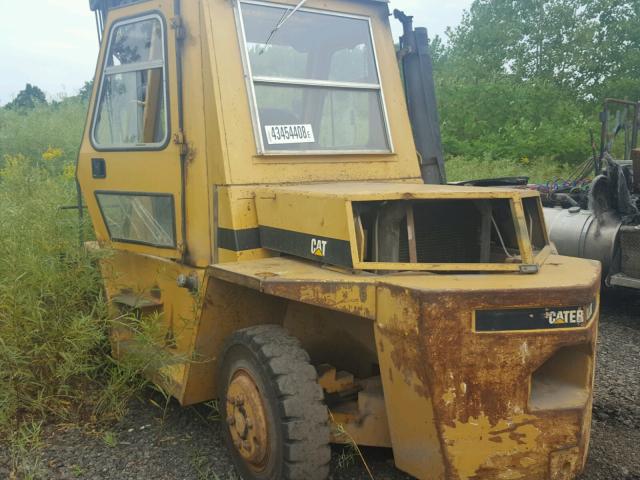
(342, 297)
(512, 428)
(484, 378)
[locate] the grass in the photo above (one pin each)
(51, 311)
(24, 444)
(55, 360)
(350, 451)
(110, 439)
(539, 170)
(29, 133)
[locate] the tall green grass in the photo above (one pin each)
(51, 314)
(31, 132)
(55, 362)
(539, 170)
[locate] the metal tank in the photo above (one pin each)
(580, 233)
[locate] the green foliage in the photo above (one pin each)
(24, 443)
(28, 99)
(30, 133)
(51, 316)
(539, 170)
(505, 118)
(85, 92)
(526, 78)
(55, 362)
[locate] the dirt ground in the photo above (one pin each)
(177, 443)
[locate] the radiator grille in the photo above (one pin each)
(448, 234)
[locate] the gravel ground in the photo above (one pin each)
(177, 443)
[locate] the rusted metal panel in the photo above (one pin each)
(146, 284)
(478, 385)
(367, 191)
(303, 282)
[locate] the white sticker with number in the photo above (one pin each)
(288, 134)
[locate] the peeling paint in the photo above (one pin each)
(474, 445)
(449, 397)
(524, 352)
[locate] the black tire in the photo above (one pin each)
(297, 419)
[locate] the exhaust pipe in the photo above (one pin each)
(417, 67)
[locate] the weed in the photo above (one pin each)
(214, 411)
(110, 439)
(24, 446)
(55, 361)
(347, 457)
(31, 133)
(200, 462)
(351, 450)
(77, 471)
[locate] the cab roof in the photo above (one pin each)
(104, 5)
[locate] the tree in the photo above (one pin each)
(28, 98)
(580, 45)
(85, 91)
(525, 78)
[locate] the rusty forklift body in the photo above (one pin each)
(250, 164)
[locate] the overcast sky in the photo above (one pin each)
(53, 43)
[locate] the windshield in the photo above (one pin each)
(315, 81)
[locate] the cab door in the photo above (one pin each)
(129, 168)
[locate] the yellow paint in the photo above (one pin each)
(374, 321)
(477, 442)
(416, 444)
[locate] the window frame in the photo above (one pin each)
(116, 193)
(105, 70)
(252, 80)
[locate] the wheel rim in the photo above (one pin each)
(246, 419)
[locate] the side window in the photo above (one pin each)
(139, 218)
(132, 107)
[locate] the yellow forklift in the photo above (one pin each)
(272, 199)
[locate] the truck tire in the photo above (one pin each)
(276, 423)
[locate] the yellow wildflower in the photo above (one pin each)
(52, 153)
(69, 171)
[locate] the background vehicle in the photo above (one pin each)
(252, 166)
(600, 218)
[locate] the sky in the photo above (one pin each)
(56, 46)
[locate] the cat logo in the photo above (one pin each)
(318, 247)
(565, 317)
